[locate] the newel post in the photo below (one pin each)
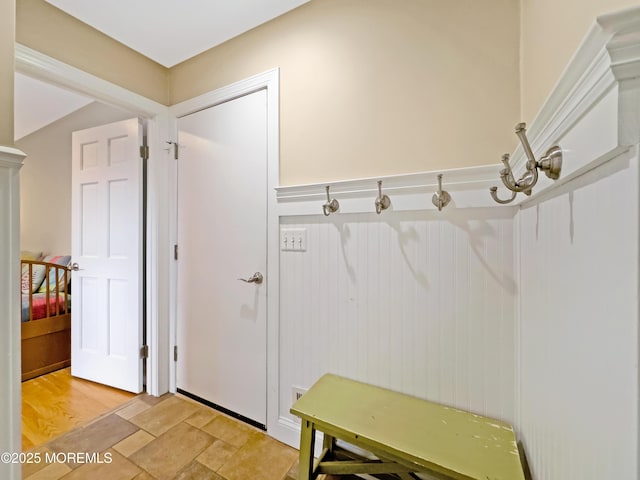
(10, 399)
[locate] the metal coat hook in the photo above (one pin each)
(441, 198)
(550, 164)
(382, 201)
(331, 205)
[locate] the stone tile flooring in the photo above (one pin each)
(164, 438)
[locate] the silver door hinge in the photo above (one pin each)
(144, 152)
(175, 353)
(144, 351)
(175, 252)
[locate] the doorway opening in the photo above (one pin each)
(54, 72)
(45, 183)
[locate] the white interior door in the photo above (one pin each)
(106, 243)
(222, 236)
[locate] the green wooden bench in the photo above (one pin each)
(406, 435)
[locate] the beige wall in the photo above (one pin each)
(45, 179)
(47, 29)
(552, 30)
(7, 38)
(368, 87)
(377, 87)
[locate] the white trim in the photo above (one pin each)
(45, 68)
(606, 56)
(469, 188)
(11, 161)
(517, 334)
(11, 157)
(270, 81)
(42, 67)
(546, 193)
(290, 432)
(159, 256)
(291, 436)
(229, 92)
(469, 178)
(172, 193)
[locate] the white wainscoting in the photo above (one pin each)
(527, 313)
(419, 302)
(578, 347)
(578, 243)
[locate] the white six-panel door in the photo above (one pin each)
(222, 237)
(106, 326)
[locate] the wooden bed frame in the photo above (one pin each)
(46, 342)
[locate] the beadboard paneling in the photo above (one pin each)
(578, 344)
(419, 302)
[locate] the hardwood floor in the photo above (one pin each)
(57, 402)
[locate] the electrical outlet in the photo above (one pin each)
(293, 239)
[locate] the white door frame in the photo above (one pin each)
(270, 81)
(47, 69)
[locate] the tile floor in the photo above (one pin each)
(164, 438)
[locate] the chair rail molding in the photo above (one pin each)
(408, 192)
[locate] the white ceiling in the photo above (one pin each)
(167, 31)
(171, 31)
(38, 104)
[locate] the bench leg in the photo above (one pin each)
(307, 441)
(328, 445)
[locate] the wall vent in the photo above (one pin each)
(296, 393)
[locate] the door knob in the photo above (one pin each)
(255, 278)
(75, 267)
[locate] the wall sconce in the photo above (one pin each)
(550, 164)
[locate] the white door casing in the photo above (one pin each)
(107, 203)
(222, 237)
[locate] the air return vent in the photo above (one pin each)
(296, 393)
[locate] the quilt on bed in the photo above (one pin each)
(40, 305)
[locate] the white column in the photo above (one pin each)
(10, 399)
